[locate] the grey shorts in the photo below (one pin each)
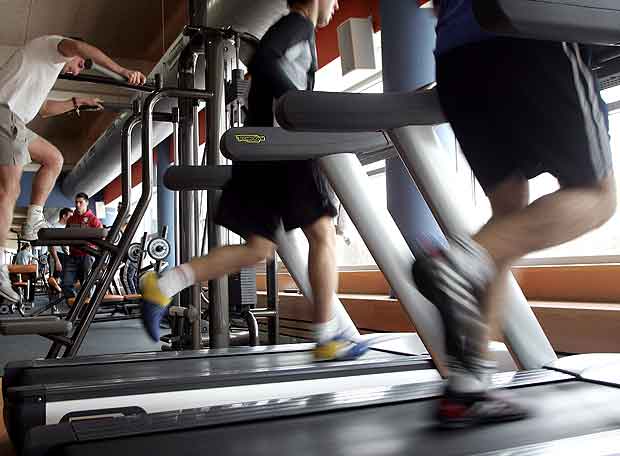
(14, 139)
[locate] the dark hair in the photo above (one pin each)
(25, 246)
(64, 211)
(82, 195)
(292, 3)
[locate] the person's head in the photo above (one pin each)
(320, 12)
(81, 203)
(26, 247)
(65, 214)
(74, 66)
(77, 64)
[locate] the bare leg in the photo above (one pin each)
(231, 258)
(510, 196)
(224, 260)
(549, 221)
(322, 267)
(51, 161)
(9, 192)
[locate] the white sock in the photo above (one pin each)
(323, 332)
(176, 280)
(471, 381)
(34, 213)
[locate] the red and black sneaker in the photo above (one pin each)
(457, 411)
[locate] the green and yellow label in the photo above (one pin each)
(250, 139)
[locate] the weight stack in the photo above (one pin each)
(242, 290)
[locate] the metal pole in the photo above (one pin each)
(177, 216)
(273, 301)
(190, 297)
(219, 335)
(107, 81)
(116, 258)
(418, 147)
(387, 246)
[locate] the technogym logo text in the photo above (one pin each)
(250, 139)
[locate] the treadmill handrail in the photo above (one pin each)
(358, 112)
(269, 144)
(582, 21)
(210, 177)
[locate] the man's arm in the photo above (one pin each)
(268, 62)
(74, 48)
(54, 108)
(96, 223)
(57, 263)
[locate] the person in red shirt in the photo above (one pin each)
(79, 263)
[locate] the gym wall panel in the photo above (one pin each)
(579, 283)
(327, 38)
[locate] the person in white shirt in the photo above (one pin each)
(25, 256)
(59, 254)
(26, 80)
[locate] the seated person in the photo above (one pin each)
(25, 256)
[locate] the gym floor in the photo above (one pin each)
(102, 338)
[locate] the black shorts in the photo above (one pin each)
(525, 107)
(261, 196)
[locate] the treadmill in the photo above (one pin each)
(47, 392)
(570, 416)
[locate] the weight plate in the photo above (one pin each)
(134, 254)
(158, 249)
(43, 259)
(5, 309)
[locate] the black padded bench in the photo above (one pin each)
(34, 325)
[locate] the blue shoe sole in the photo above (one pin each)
(152, 315)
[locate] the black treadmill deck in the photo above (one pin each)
(562, 408)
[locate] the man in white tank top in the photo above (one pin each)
(26, 80)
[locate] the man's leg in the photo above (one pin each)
(549, 221)
(158, 292)
(69, 276)
(51, 161)
(507, 198)
(9, 192)
(322, 267)
(323, 274)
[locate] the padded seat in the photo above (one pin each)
(179, 178)
(133, 297)
(22, 269)
(34, 325)
(72, 234)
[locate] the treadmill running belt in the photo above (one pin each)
(560, 411)
(172, 368)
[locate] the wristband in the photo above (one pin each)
(76, 106)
